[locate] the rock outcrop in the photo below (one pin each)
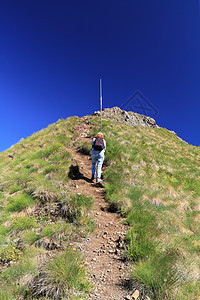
(116, 114)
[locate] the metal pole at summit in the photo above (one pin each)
(101, 103)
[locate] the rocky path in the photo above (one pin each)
(103, 249)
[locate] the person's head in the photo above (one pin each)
(100, 135)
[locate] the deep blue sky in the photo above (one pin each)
(53, 52)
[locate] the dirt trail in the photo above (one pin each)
(103, 249)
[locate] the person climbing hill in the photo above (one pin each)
(97, 155)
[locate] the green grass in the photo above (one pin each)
(159, 273)
(76, 207)
(153, 179)
(191, 288)
(51, 169)
(33, 181)
(63, 139)
(15, 188)
(11, 285)
(50, 229)
(64, 276)
(22, 223)
(48, 151)
(30, 237)
(5, 294)
(4, 230)
(67, 271)
(19, 202)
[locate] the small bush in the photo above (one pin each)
(159, 273)
(73, 208)
(63, 276)
(139, 246)
(66, 269)
(43, 189)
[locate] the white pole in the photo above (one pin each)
(101, 102)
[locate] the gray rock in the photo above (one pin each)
(130, 118)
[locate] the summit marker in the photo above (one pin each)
(101, 103)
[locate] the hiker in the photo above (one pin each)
(97, 154)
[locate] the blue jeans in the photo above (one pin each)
(97, 159)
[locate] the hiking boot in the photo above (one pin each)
(92, 178)
(99, 180)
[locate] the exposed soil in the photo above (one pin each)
(103, 249)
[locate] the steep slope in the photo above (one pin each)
(151, 179)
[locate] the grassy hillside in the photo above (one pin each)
(40, 217)
(151, 178)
